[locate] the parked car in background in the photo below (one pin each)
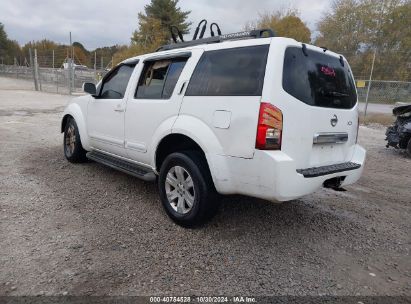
(399, 134)
(79, 67)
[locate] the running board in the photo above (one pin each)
(122, 165)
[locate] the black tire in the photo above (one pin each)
(205, 202)
(409, 148)
(73, 150)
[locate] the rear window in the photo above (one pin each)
(318, 79)
(230, 72)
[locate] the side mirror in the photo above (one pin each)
(89, 87)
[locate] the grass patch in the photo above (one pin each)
(379, 118)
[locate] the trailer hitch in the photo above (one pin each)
(335, 183)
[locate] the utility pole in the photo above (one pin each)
(17, 70)
(73, 70)
(95, 66)
(72, 49)
(54, 72)
(369, 83)
(36, 71)
(70, 67)
(33, 70)
(373, 60)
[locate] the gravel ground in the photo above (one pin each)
(89, 230)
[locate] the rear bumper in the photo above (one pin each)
(272, 175)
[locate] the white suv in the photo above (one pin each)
(266, 117)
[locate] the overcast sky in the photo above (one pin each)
(97, 23)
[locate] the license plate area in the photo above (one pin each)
(330, 138)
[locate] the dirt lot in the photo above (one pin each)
(86, 229)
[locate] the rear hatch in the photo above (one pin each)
(318, 102)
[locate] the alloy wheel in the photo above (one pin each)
(180, 189)
(70, 140)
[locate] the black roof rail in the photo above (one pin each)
(260, 33)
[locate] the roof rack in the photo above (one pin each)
(260, 33)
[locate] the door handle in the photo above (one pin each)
(182, 87)
(119, 108)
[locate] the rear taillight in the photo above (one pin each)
(358, 127)
(270, 127)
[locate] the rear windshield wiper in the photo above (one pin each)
(332, 93)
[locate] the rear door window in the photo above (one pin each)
(159, 78)
(230, 72)
(318, 79)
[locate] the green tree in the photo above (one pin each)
(3, 36)
(167, 13)
(392, 41)
(356, 28)
(343, 28)
(81, 55)
(151, 35)
(14, 52)
(283, 23)
(3, 42)
(153, 28)
(105, 55)
(9, 49)
(44, 49)
(149, 38)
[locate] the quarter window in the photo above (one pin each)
(230, 72)
(159, 78)
(115, 85)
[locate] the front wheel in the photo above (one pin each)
(73, 150)
(409, 148)
(186, 189)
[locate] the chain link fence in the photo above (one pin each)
(384, 91)
(57, 80)
(53, 75)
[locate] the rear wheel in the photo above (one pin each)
(409, 148)
(186, 189)
(73, 150)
